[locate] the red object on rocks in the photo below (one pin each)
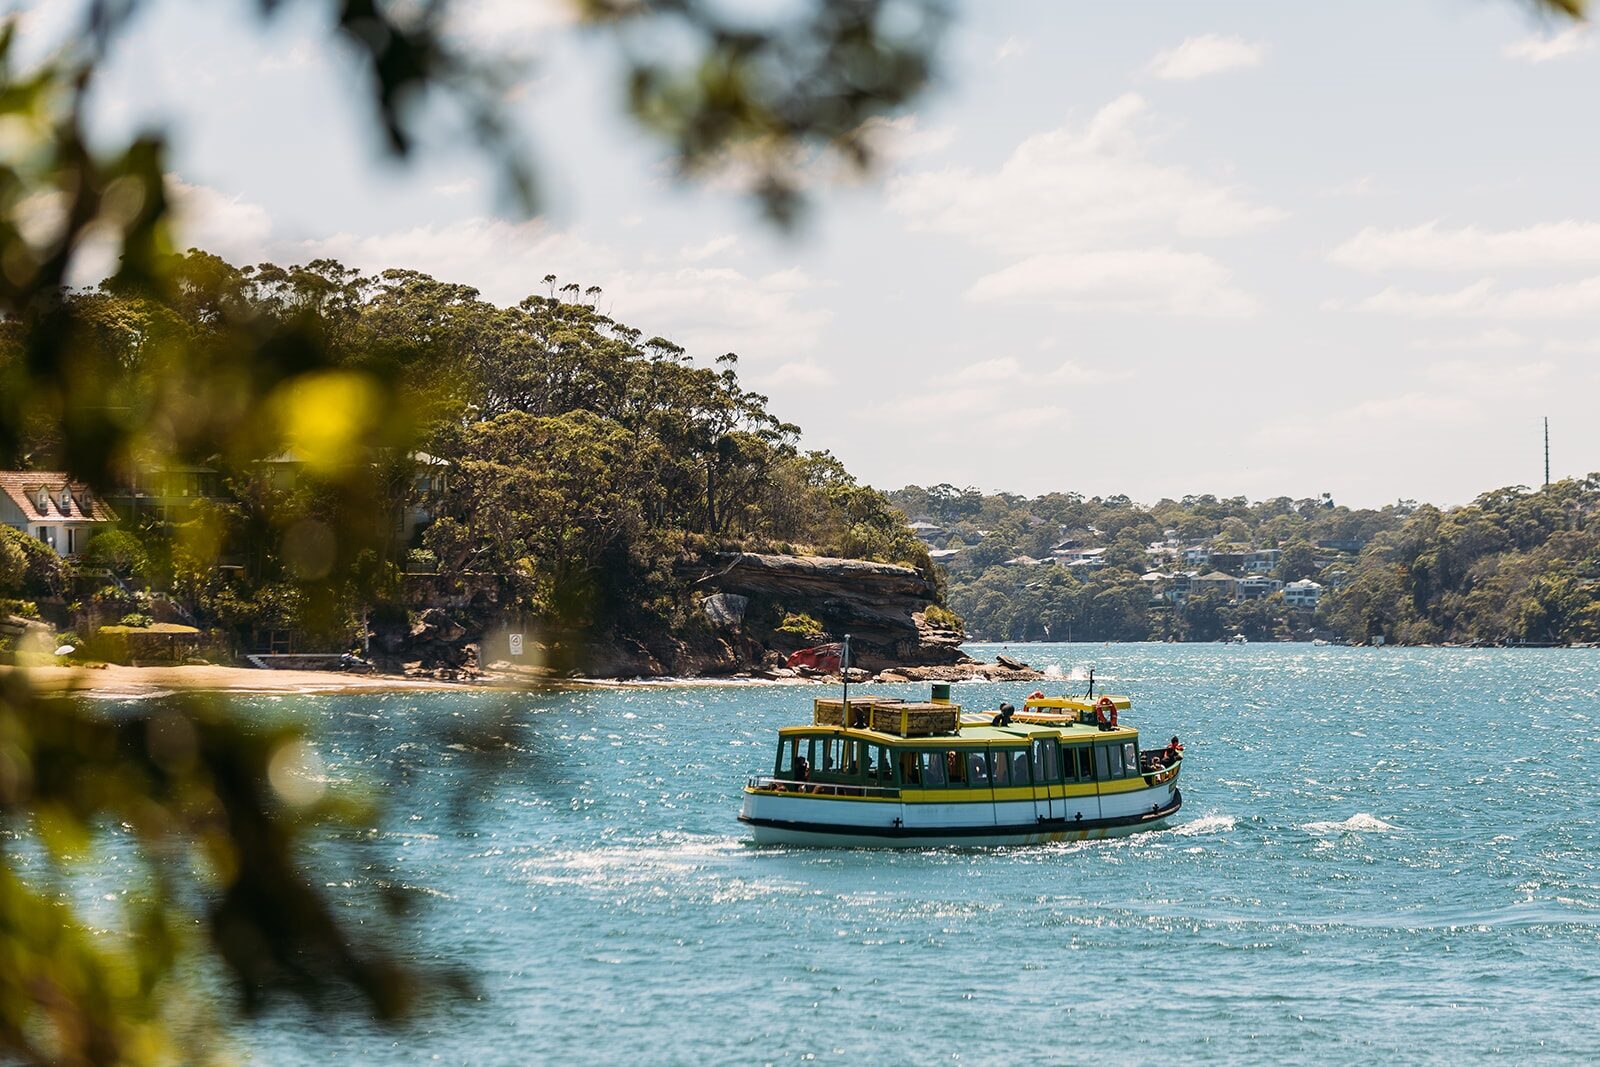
(820, 658)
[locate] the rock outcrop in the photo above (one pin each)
(882, 606)
(739, 602)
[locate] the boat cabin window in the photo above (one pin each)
(880, 768)
(1000, 765)
(930, 767)
(978, 768)
(1078, 761)
(911, 768)
(1019, 767)
(1117, 761)
(836, 757)
(1045, 763)
(788, 748)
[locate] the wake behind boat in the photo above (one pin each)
(873, 771)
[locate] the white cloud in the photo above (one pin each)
(299, 57)
(1075, 205)
(1497, 337)
(1489, 380)
(1355, 187)
(706, 307)
(1072, 188)
(1074, 373)
(1010, 48)
(456, 188)
(1568, 346)
(707, 249)
(800, 372)
(1543, 48)
(1432, 247)
(1210, 53)
(1451, 395)
(1002, 368)
(903, 138)
(1157, 280)
(230, 226)
(1000, 389)
(1484, 299)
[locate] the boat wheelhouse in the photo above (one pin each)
(882, 772)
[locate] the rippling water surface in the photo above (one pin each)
(1382, 853)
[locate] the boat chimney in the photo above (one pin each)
(941, 693)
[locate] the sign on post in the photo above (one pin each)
(516, 644)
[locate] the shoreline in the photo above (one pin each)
(117, 682)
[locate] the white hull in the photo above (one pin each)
(772, 835)
(800, 819)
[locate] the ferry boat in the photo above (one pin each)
(873, 771)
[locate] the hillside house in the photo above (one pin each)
(165, 492)
(1261, 560)
(1215, 582)
(1303, 594)
(1256, 586)
(1084, 558)
(49, 506)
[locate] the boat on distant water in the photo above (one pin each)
(874, 771)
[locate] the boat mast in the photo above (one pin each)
(844, 675)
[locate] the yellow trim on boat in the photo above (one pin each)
(1015, 736)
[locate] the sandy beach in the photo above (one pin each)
(113, 681)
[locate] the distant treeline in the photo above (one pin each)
(1514, 566)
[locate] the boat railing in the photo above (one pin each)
(1154, 775)
(773, 784)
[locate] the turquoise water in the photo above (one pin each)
(1383, 853)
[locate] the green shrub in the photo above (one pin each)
(799, 623)
(942, 618)
(119, 552)
(26, 608)
(136, 618)
(28, 566)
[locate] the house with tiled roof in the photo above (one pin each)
(53, 508)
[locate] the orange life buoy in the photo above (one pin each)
(1037, 694)
(1105, 712)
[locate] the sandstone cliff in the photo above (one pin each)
(735, 607)
(883, 606)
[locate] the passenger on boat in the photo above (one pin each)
(1004, 718)
(1173, 753)
(802, 769)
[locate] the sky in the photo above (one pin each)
(1157, 249)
